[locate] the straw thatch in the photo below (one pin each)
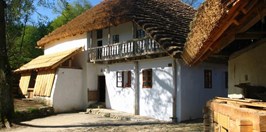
(215, 25)
(166, 21)
(207, 18)
(49, 61)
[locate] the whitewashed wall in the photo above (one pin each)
(123, 30)
(193, 94)
(67, 90)
(157, 102)
(247, 66)
(154, 102)
(121, 99)
(66, 44)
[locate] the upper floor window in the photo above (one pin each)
(207, 78)
(147, 78)
(140, 33)
(115, 39)
(99, 34)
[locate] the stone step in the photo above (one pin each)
(120, 115)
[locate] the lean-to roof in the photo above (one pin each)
(48, 62)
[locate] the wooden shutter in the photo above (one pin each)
(24, 83)
(44, 83)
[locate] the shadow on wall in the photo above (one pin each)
(158, 100)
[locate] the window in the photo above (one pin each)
(123, 79)
(208, 78)
(99, 34)
(33, 77)
(140, 33)
(115, 39)
(119, 79)
(226, 79)
(147, 78)
(127, 78)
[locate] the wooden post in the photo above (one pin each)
(174, 118)
(134, 28)
(136, 86)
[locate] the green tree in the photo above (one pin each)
(6, 102)
(18, 39)
(20, 55)
(68, 11)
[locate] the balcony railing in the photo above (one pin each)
(123, 50)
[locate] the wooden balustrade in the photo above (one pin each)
(128, 49)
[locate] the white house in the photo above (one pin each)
(130, 60)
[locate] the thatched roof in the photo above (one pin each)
(166, 21)
(216, 24)
(50, 61)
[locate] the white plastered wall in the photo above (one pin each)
(66, 44)
(67, 90)
(193, 94)
(154, 102)
(157, 102)
(123, 30)
(117, 98)
(247, 66)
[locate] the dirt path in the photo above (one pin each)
(89, 122)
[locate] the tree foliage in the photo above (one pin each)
(18, 41)
(68, 11)
(6, 102)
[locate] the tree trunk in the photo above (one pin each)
(6, 100)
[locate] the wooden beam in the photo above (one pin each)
(251, 35)
(227, 36)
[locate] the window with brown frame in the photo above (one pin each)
(208, 79)
(127, 79)
(123, 79)
(147, 78)
(33, 77)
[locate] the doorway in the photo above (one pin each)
(101, 88)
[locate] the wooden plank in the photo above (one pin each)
(251, 35)
(24, 83)
(93, 95)
(44, 83)
(244, 126)
(258, 117)
(223, 129)
(223, 120)
(50, 84)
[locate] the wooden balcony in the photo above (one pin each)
(129, 50)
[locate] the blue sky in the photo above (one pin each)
(50, 14)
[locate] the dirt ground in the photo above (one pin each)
(79, 122)
(23, 104)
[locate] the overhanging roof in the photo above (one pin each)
(216, 25)
(50, 61)
(166, 21)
